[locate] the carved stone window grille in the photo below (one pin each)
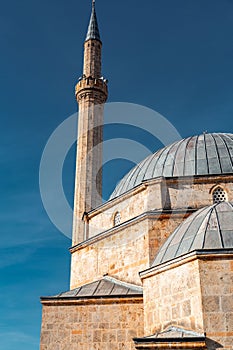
(219, 195)
(117, 219)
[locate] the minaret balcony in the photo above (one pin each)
(88, 84)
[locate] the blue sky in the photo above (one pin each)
(172, 56)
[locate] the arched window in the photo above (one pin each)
(117, 219)
(219, 195)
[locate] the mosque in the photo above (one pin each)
(152, 268)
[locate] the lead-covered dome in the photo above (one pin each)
(208, 228)
(206, 154)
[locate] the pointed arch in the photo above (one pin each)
(219, 194)
(117, 219)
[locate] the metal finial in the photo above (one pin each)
(93, 30)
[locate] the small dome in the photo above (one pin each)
(207, 154)
(208, 228)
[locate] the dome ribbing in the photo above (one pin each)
(208, 228)
(206, 154)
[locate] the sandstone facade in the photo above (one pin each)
(146, 221)
(91, 324)
(194, 292)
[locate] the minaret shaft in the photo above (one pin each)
(91, 93)
(92, 59)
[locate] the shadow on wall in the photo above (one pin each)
(165, 195)
(212, 345)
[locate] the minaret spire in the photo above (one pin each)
(91, 94)
(93, 29)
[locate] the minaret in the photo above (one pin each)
(91, 94)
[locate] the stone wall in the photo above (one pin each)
(91, 325)
(124, 251)
(129, 207)
(196, 192)
(173, 297)
(194, 293)
(217, 297)
(121, 255)
(159, 229)
(157, 194)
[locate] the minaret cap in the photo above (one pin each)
(93, 29)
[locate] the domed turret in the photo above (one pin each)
(208, 228)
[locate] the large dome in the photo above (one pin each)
(206, 154)
(208, 228)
